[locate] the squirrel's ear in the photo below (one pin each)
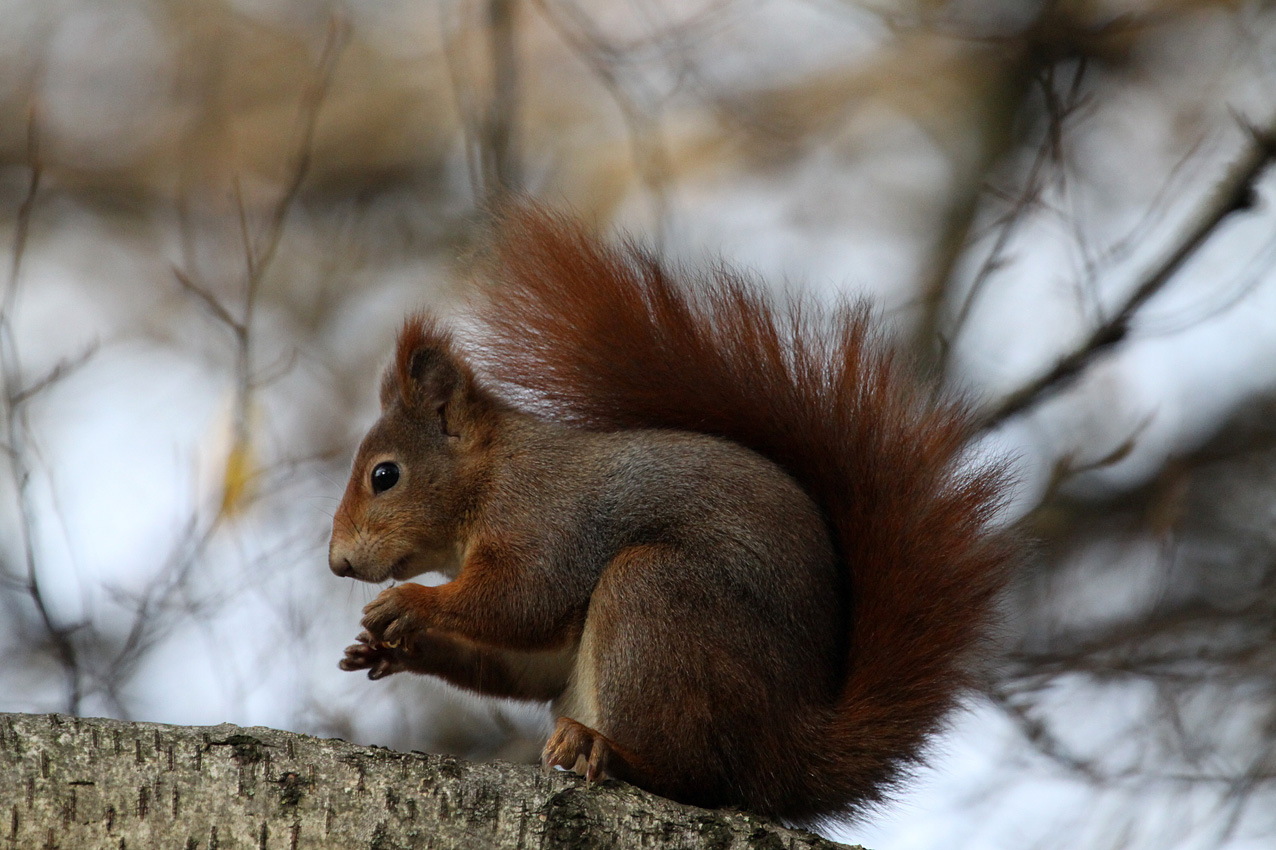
(426, 374)
(437, 382)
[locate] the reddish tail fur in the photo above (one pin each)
(607, 339)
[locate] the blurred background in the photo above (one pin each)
(214, 214)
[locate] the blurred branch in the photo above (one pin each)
(1199, 633)
(1245, 787)
(1185, 651)
(1049, 150)
(1159, 503)
(490, 122)
(934, 342)
(1234, 193)
(148, 627)
(60, 371)
(501, 171)
(1153, 646)
(22, 229)
(259, 254)
(170, 584)
(209, 300)
(1059, 34)
(259, 257)
(1068, 466)
(1120, 249)
(651, 159)
(18, 430)
(1037, 733)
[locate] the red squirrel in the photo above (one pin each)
(738, 546)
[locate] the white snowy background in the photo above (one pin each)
(190, 339)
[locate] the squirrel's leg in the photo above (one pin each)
(518, 675)
(575, 744)
(647, 701)
(586, 751)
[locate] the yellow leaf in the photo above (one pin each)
(237, 482)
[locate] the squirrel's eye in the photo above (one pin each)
(384, 476)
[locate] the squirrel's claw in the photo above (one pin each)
(380, 661)
(577, 748)
(359, 656)
(383, 668)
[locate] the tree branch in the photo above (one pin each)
(1235, 193)
(76, 782)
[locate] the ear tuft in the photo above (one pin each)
(425, 369)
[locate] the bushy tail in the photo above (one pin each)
(606, 338)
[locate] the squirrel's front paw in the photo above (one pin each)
(377, 658)
(396, 615)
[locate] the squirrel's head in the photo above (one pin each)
(417, 468)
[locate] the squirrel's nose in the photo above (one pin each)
(341, 566)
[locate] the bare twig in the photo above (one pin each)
(22, 229)
(1023, 65)
(60, 371)
(147, 628)
(17, 434)
(307, 122)
(1243, 788)
(651, 159)
(171, 584)
(1049, 150)
(1231, 292)
(501, 172)
(1120, 249)
(1037, 733)
(209, 300)
(1183, 650)
(1067, 466)
(260, 253)
(1234, 193)
(1151, 647)
(465, 108)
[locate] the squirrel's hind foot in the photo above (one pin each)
(576, 747)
